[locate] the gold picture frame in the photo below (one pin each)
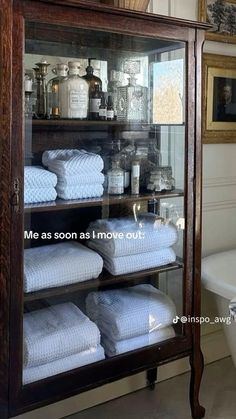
(223, 34)
(219, 99)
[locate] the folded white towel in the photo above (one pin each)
(138, 262)
(59, 264)
(72, 162)
(34, 195)
(123, 236)
(64, 364)
(113, 348)
(37, 177)
(57, 332)
(80, 192)
(128, 312)
(84, 179)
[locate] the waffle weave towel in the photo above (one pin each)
(129, 312)
(56, 332)
(59, 264)
(62, 365)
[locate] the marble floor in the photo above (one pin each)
(169, 400)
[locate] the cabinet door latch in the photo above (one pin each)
(15, 200)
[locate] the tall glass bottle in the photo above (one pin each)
(132, 100)
(53, 109)
(95, 103)
(74, 94)
(92, 79)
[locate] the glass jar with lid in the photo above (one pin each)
(74, 94)
(115, 179)
(53, 109)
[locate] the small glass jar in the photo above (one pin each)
(115, 179)
(53, 109)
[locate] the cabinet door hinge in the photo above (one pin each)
(15, 199)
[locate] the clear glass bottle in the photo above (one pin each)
(53, 109)
(115, 179)
(74, 94)
(135, 177)
(92, 80)
(132, 100)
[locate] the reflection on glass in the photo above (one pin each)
(104, 199)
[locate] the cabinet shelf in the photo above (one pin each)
(105, 280)
(70, 124)
(60, 204)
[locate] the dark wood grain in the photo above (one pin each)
(61, 204)
(196, 358)
(5, 193)
(84, 15)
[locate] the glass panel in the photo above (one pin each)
(104, 196)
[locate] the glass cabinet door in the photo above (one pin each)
(108, 204)
(104, 177)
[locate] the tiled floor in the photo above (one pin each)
(169, 400)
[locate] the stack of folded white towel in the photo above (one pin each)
(129, 246)
(131, 318)
(59, 264)
(39, 185)
(58, 339)
(79, 173)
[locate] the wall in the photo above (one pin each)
(219, 170)
(219, 233)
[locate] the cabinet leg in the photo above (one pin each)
(197, 366)
(151, 378)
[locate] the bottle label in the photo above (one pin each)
(110, 114)
(94, 105)
(136, 171)
(103, 113)
(115, 184)
(78, 100)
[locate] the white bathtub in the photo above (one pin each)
(219, 277)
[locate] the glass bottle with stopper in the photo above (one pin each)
(53, 109)
(41, 72)
(91, 78)
(132, 100)
(28, 93)
(74, 94)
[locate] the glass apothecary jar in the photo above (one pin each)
(53, 108)
(74, 94)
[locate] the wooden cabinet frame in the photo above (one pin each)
(14, 398)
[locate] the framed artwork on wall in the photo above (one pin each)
(221, 14)
(219, 99)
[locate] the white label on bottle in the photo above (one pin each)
(103, 112)
(78, 100)
(94, 105)
(110, 114)
(136, 170)
(115, 184)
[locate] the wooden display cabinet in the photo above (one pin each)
(78, 30)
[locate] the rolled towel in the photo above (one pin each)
(138, 262)
(113, 348)
(37, 177)
(62, 365)
(80, 192)
(57, 332)
(59, 264)
(123, 236)
(35, 195)
(84, 179)
(129, 312)
(72, 162)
